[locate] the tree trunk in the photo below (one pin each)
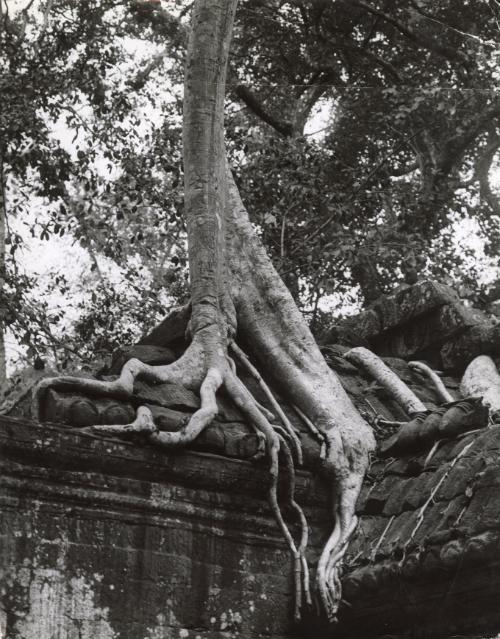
(3, 224)
(237, 275)
(236, 293)
(365, 274)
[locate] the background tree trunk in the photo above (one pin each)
(3, 230)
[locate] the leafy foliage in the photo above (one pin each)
(91, 154)
(407, 149)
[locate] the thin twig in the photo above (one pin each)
(421, 512)
(319, 435)
(381, 538)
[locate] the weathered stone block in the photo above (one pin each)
(128, 540)
(483, 510)
(398, 532)
(149, 354)
(398, 308)
(490, 476)
(396, 311)
(428, 331)
(397, 501)
(356, 330)
(482, 339)
(79, 411)
(460, 477)
(417, 491)
(369, 528)
(450, 516)
(232, 440)
(113, 556)
(170, 395)
(432, 515)
(378, 495)
(171, 330)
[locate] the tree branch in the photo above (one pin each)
(305, 104)
(142, 76)
(387, 66)
(157, 16)
(457, 145)
(254, 104)
(449, 53)
(404, 170)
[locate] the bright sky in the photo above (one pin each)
(16, 5)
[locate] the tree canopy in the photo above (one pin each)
(408, 146)
(363, 137)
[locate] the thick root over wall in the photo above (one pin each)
(235, 291)
(280, 443)
(191, 371)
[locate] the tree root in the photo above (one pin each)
(348, 481)
(315, 432)
(207, 374)
(186, 370)
(481, 379)
(335, 558)
(328, 583)
(248, 406)
(374, 550)
(430, 499)
(301, 569)
(437, 382)
(189, 371)
(375, 367)
(324, 589)
(142, 424)
(243, 359)
(200, 419)
(277, 439)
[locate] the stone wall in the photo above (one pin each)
(105, 539)
(101, 539)
(425, 559)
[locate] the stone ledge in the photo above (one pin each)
(394, 310)
(427, 332)
(57, 447)
(142, 527)
(444, 590)
(125, 540)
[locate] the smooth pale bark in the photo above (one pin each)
(280, 340)
(238, 275)
(380, 372)
(481, 379)
(424, 370)
(3, 224)
(204, 165)
(282, 343)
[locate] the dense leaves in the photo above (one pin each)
(410, 120)
(364, 137)
(91, 155)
